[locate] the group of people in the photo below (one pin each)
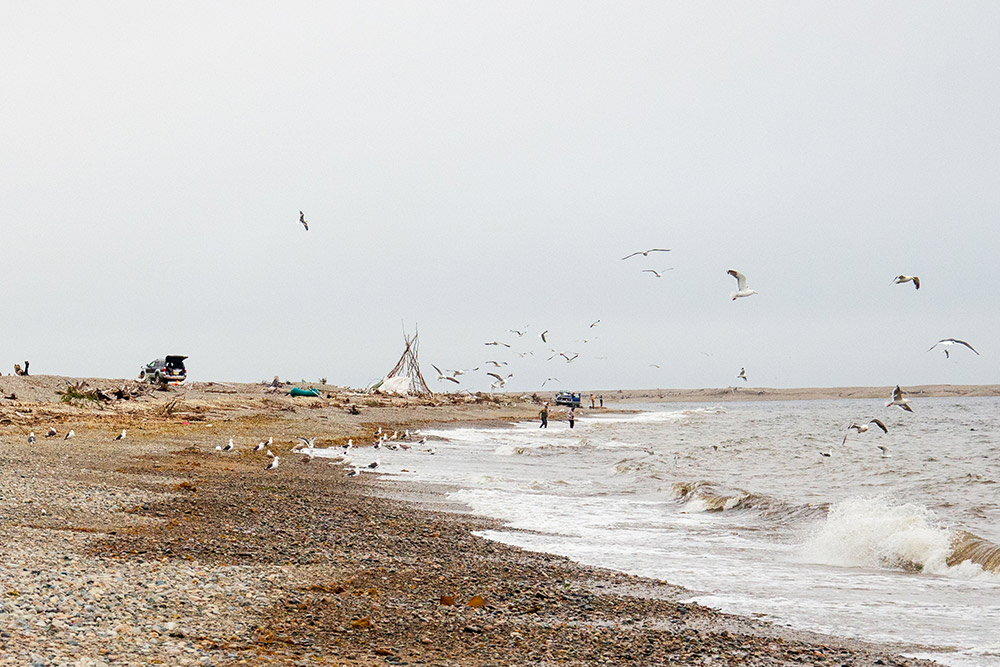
(571, 417)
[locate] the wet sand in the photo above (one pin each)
(158, 549)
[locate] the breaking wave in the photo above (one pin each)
(703, 496)
(874, 533)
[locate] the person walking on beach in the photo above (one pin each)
(601, 399)
(572, 417)
(591, 401)
(544, 415)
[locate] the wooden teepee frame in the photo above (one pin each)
(409, 365)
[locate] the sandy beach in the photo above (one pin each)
(159, 549)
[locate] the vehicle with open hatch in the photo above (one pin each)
(168, 369)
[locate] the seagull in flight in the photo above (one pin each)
(742, 375)
(494, 342)
(741, 285)
(948, 342)
(543, 336)
(899, 401)
(594, 324)
(645, 253)
(302, 219)
(863, 428)
(885, 452)
(553, 379)
(567, 357)
(658, 274)
(900, 279)
(515, 331)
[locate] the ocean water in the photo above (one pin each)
(736, 503)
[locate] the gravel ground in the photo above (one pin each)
(161, 550)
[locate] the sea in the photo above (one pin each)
(759, 508)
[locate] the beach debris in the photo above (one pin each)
(476, 601)
(364, 622)
(448, 600)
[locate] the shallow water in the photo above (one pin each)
(737, 504)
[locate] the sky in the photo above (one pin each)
(472, 168)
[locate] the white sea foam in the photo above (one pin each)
(874, 532)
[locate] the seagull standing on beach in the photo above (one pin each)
(31, 438)
(374, 464)
(273, 464)
(120, 436)
(900, 279)
(899, 401)
(645, 253)
(741, 285)
(70, 434)
(948, 342)
(229, 446)
(51, 432)
(863, 428)
(260, 446)
(302, 219)
(354, 472)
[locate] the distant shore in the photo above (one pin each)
(751, 393)
(161, 549)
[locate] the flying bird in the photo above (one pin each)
(496, 364)
(899, 401)
(658, 274)
(501, 380)
(900, 279)
(515, 331)
(885, 452)
(742, 375)
(829, 453)
(863, 428)
(544, 340)
(120, 436)
(494, 342)
(70, 434)
(741, 285)
(645, 253)
(302, 219)
(948, 342)
(553, 379)
(568, 358)
(594, 324)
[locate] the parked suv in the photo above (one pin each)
(169, 369)
(568, 398)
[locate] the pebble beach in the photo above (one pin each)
(159, 549)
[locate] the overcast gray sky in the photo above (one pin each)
(478, 167)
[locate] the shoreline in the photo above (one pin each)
(160, 549)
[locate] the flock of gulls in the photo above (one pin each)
(306, 448)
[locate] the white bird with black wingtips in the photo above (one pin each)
(120, 436)
(273, 464)
(741, 285)
(302, 219)
(645, 253)
(899, 401)
(900, 279)
(948, 342)
(742, 375)
(863, 428)
(70, 434)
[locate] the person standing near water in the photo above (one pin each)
(572, 417)
(544, 415)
